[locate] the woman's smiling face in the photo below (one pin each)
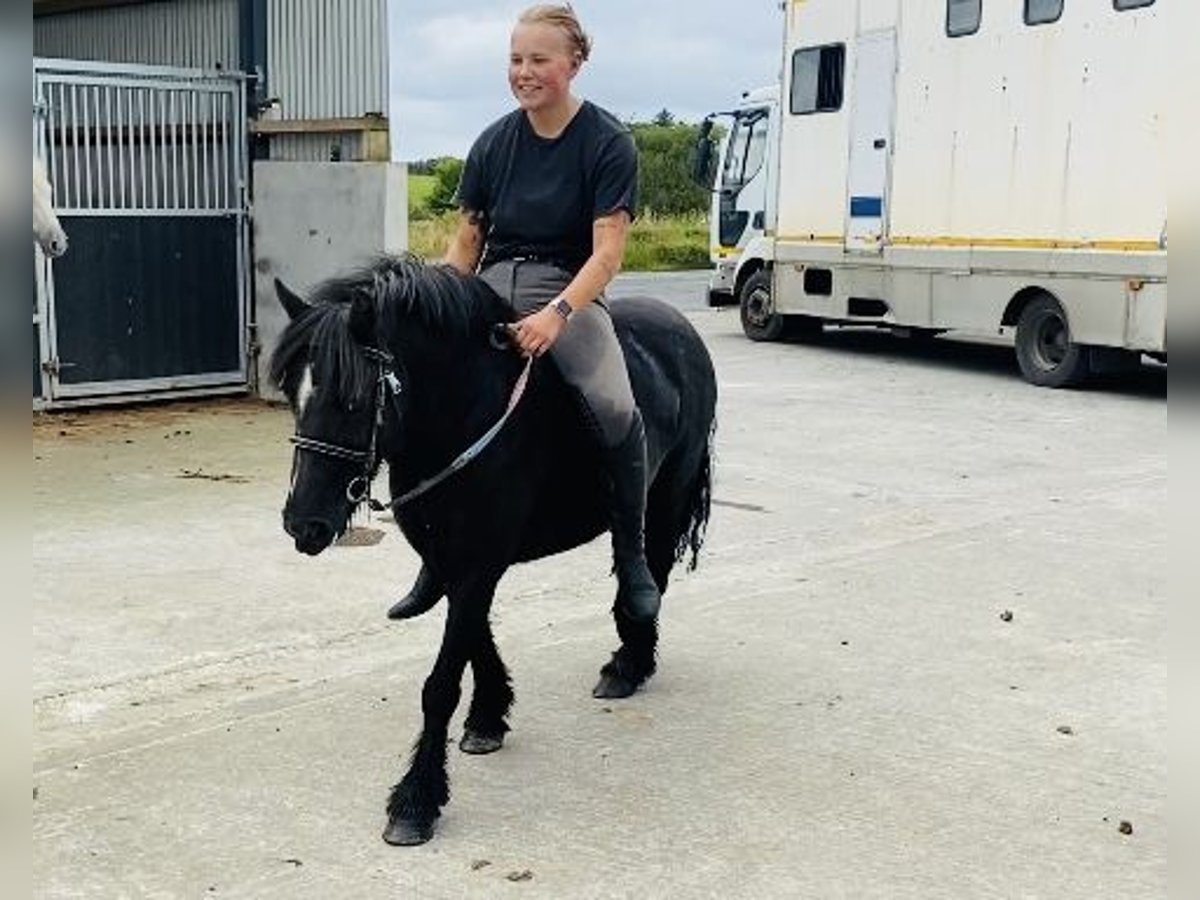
(540, 66)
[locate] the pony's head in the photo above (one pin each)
(342, 362)
(47, 230)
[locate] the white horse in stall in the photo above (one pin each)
(47, 230)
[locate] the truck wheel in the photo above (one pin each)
(1045, 352)
(759, 319)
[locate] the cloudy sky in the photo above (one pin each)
(449, 62)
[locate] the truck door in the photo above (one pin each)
(870, 141)
(741, 193)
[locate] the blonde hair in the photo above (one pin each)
(563, 17)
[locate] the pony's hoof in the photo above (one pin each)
(402, 833)
(478, 744)
(613, 687)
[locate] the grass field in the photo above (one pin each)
(656, 243)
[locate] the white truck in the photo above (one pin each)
(972, 167)
(743, 184)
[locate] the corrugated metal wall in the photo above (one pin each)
(317, 147)
(200, 34)
(327, 58)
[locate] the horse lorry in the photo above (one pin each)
(978, 168)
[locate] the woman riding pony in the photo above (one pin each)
(546, 198)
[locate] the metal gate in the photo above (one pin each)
(149, 171)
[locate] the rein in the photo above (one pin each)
(359, 488)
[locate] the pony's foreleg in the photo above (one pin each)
(491, 699)
(417, 800)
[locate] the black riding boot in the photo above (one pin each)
(423, 596)
(625, 467)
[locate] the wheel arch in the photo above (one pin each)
(747, 270)
(1025, 296)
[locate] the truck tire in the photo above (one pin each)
(761, 322)
(1047, 355)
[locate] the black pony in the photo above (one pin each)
(400, 362)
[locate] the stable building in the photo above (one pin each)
(197, 150)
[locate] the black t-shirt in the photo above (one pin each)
(541, 196)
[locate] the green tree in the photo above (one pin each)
(446, 171)
(665, 150)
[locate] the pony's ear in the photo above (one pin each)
(294, 305)
(362, 318)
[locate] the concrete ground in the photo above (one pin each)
(845, 706)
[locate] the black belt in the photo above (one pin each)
(556, 261)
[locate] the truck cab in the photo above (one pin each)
(742, 182)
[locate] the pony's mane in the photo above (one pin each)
(442, 301)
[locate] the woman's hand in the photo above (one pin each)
(536, 333)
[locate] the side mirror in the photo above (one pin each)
(702, 157)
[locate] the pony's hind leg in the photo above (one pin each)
(634, 661)
(491, 699)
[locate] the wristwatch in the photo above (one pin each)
(562, 307)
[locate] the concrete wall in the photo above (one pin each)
(313, 220)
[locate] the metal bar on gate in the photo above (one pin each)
(196, 167)
(156, 106)
(125, 147)
(69, 68)
(213, 148)
(86, 200)
(60, 159)
(141, 103)
(45, 127)
(174, 150)
(204, 174)
(76, 186)
(226, 159)
(108, 147)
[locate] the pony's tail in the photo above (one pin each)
(691, 536)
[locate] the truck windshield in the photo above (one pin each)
(747, 148)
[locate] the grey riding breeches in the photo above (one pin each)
(586, 351)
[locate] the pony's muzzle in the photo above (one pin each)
(311, 535)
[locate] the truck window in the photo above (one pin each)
(747, 150)
(817, 77)
(962, 17)
(1040, 12)
(1131, 4)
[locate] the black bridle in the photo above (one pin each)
(359, 488)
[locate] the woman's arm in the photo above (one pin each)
(537, 332)
(608, 254)
(466, 245)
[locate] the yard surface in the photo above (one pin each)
(923, 656)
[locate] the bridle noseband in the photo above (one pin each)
(359, 488)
